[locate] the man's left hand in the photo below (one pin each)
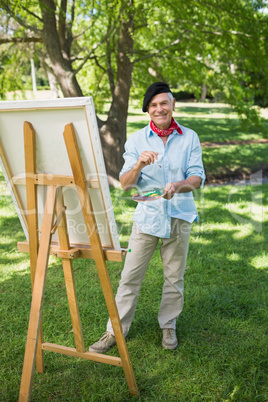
(185, 186)
(170, 191)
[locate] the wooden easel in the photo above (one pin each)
(39, 256)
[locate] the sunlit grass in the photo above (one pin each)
(260, 261)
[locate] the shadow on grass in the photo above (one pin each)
(209, 129)
(8, 244)
(234, 160)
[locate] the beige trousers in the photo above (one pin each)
(174, 254)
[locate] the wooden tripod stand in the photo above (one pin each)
(39, 257)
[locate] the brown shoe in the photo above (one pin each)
(169, 340)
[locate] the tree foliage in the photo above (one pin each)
(114, 49)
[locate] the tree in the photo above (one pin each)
(110, 48)
(54, 26)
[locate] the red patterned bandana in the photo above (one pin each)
(164, 133)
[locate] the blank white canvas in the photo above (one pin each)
(49, 118)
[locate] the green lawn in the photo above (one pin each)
(223, 349)
(222, 353)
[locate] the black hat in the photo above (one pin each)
(154, 89)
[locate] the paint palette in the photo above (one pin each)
(149, 195)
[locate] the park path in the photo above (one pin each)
(235, 181)
(208, 144)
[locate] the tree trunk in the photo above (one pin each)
(61, 65)
(113, 131)
(53, 85)
(204, 93)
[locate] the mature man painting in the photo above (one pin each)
(162, 154)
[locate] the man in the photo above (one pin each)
(163, 154)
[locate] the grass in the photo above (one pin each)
(222, 331)
(222, 353)
(235, 160)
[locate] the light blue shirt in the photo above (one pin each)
(178, 160)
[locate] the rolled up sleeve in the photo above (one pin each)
(130, 157)
(195, 165)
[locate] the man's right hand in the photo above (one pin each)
(129, 179)
(146, 158)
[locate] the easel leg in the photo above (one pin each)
(32, 218)
(37, 297)
(88, 213)
(69, 279)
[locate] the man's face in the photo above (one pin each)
(161, 109)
